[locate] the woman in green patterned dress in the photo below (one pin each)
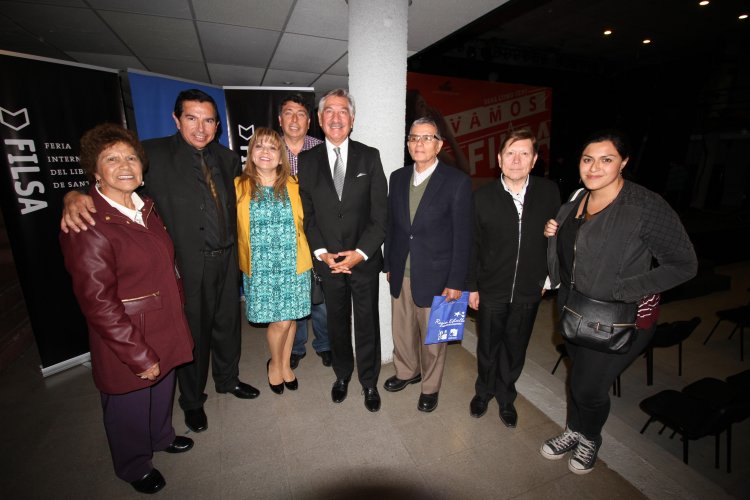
(274, 255)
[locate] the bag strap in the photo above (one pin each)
(575, 242)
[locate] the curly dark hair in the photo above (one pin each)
(104, 135)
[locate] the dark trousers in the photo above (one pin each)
(504, 333)
(213, 313)
(591, 376)
(137, 424)
(360, 291)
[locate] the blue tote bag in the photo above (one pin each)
(447, 319)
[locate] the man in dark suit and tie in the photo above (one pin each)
(344, 195)
(427, 246)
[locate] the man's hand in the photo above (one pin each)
(474, 300)
(450, 294)
(351, 259)
(151, 374)
(328, 258)
(76, 208)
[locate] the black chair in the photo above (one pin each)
(740, 316)
(706, 407)
(560, 348)
(740, 380)
(668, 335)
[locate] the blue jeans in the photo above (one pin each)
(320, 330)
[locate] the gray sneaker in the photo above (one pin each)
(555, 448)
(584, 456)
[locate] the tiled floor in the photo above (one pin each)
(719, 358)
(300, 445)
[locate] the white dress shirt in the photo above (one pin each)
(419, 178)
(344, 152)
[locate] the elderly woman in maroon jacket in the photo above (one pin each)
(126, 283)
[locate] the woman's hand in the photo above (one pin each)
(550, 228)
(152, 373)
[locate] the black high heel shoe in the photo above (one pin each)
(278, 388)
(292, 386)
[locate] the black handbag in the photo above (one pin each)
(316, 289)
(596, 324)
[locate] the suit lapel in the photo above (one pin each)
(401, 195)
(352, 162)
(325, 167)
(433, 187)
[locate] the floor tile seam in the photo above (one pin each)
(466, 446)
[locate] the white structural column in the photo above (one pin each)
(377, 80)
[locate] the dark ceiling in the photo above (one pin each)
(691, 81)
(565, 34)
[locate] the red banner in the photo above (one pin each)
(474, 117)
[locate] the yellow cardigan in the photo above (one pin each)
(304, 259)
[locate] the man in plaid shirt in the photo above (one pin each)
(294, 119)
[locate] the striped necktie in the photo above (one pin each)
(338, 173)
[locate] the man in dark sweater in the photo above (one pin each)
(508, 269)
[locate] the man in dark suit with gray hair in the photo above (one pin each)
(344, 195)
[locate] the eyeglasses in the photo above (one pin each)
(424, 138)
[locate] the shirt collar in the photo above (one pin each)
(521, 193)
(134, 215)
(344, 147)
(206, 151)
(419, 177)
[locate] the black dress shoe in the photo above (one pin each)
(339, 390)
(508, 415)
(242, 391)
(372, 398)
(196, 420)
(150, 483)
(478, 406)
(293, 385)
(278, 388)
(395, 384)
(181, 444)
(427, 402)
(326, 356)
(294, 359)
